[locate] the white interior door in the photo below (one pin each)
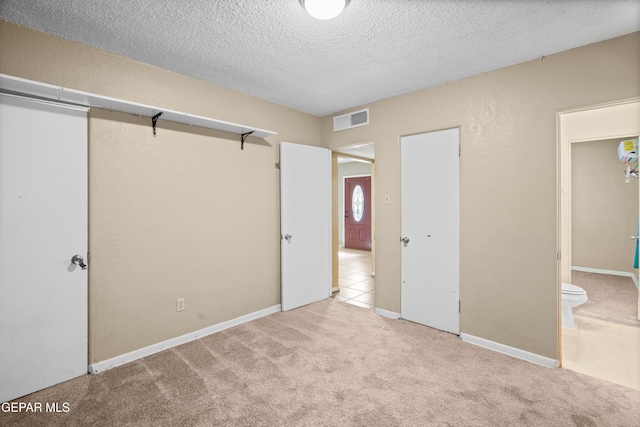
(431, 229)
(305, 209)
(43, 224)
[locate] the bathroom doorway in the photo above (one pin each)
(597, 252)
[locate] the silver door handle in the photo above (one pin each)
(635, 237)
(79, 261)
(405, 240)
(288, 237)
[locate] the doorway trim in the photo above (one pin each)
(335, 217)
(612, 120)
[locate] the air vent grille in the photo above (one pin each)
(351, 120)
(361, 118)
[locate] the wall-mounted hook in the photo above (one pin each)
(154, 121)
(243, 137)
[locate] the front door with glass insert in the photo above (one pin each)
(357, 213)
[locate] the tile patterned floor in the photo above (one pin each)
(602, 349)
(357, 286)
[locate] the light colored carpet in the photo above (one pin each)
(334, 364)
(611, 298)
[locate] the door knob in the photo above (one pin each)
(79, 261)
(287, 237)
(405, 240)
(635, 237)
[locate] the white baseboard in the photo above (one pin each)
(510, 351)
(94, 368)
(612, 272)
(386, 313)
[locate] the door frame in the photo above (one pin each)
(344, 180)
(612, 120)
(335, 217)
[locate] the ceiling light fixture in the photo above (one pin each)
(324, 9)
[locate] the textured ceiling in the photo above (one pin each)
(376, 49)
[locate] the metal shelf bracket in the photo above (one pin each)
(154, 121)
(243, 137)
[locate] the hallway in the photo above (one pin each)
(357, 286)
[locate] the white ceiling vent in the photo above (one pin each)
(351, 120)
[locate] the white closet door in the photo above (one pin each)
(431, 229)
(43, 224)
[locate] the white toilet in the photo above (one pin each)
(572, 296)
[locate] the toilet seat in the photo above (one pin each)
(569, 289)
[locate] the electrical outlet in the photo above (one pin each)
(180, 304)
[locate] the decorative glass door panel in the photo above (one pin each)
(357, 203)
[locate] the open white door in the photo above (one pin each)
(43, 224)
(305, 212)
(431, 229)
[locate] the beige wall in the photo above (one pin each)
(508, 181)
(183, 214)
(604, 209)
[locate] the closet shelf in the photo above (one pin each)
(17, 85)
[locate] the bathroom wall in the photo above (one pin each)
(509, 269)
(184, 214)
(604, 209)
